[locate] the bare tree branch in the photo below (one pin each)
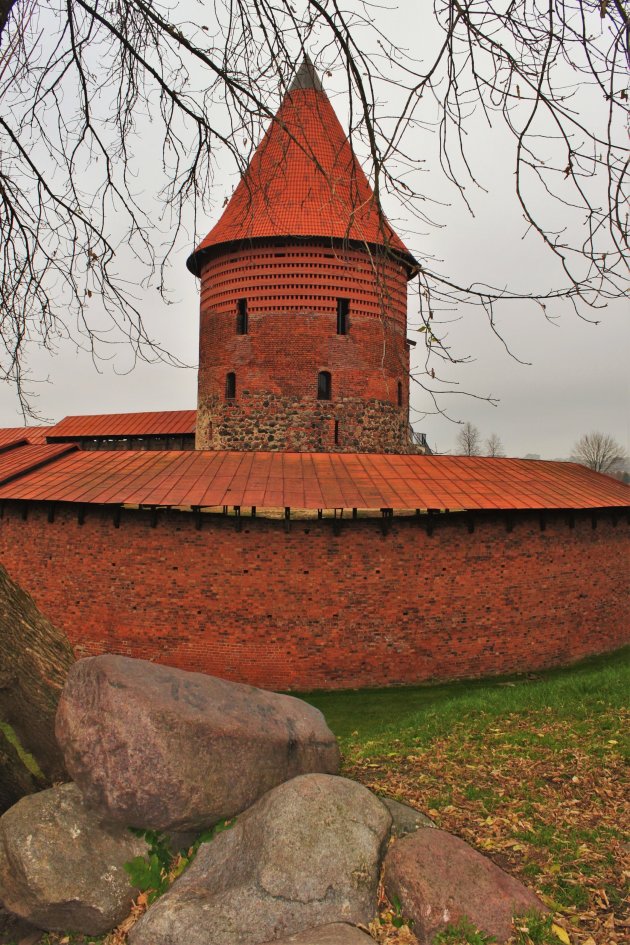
(83, 82)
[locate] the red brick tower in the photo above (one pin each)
(303, 334)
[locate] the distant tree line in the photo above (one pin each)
(470, 442)
(598, 451)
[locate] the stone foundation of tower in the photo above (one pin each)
(274, 422)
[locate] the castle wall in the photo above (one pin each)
(292, 293)
(309, 608)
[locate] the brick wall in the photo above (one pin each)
(309, 608)
(291, 294)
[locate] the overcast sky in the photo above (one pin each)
(578, 379)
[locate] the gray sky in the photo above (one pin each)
(578, 379)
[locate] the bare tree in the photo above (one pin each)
(93, 89)
(599, 451)
(494, 446)
(469, 440)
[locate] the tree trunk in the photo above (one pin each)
(5, 9)
(34, 660)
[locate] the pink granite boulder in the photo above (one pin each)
(439, 880)
(156, 747)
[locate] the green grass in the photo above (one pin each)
(373, 719)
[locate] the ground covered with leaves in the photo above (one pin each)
(529, 794)
(531, 771)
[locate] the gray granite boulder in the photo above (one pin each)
(306, 854)
(337, 934)
(405, 819)
(439, 880)
(157, 747)
(61, 869)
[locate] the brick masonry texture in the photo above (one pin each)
(291, 292)
(309, 608)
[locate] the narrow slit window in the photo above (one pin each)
(343, 316)
(400, 394)
(324, 385)
(230, 386)
(241, 317)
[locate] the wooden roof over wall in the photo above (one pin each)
(202, 478)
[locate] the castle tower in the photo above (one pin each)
(303, 329)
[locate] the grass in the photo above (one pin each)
(370, 719)
(530, 770)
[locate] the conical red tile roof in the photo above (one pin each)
(303, 181)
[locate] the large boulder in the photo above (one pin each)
(336, 934)
(61, 869)
(405, 819)
(439, 879)
(306, 854)
(159, 747)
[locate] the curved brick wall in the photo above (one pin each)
(292, 293)
(310, 608)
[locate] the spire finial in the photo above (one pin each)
(306, 77)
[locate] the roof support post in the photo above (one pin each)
(253, 511)
(430, 522)
(386, 520)
(116, 516)
(287, 519)
(237, 514)
(81, 515)
(198, 519)
(153, 519)
(337, 522)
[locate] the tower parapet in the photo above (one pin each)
(303, 330)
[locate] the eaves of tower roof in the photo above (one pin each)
(303, 182)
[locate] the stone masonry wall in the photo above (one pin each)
(310, 608)
(270, 421)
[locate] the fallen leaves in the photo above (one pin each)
(545, 803)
